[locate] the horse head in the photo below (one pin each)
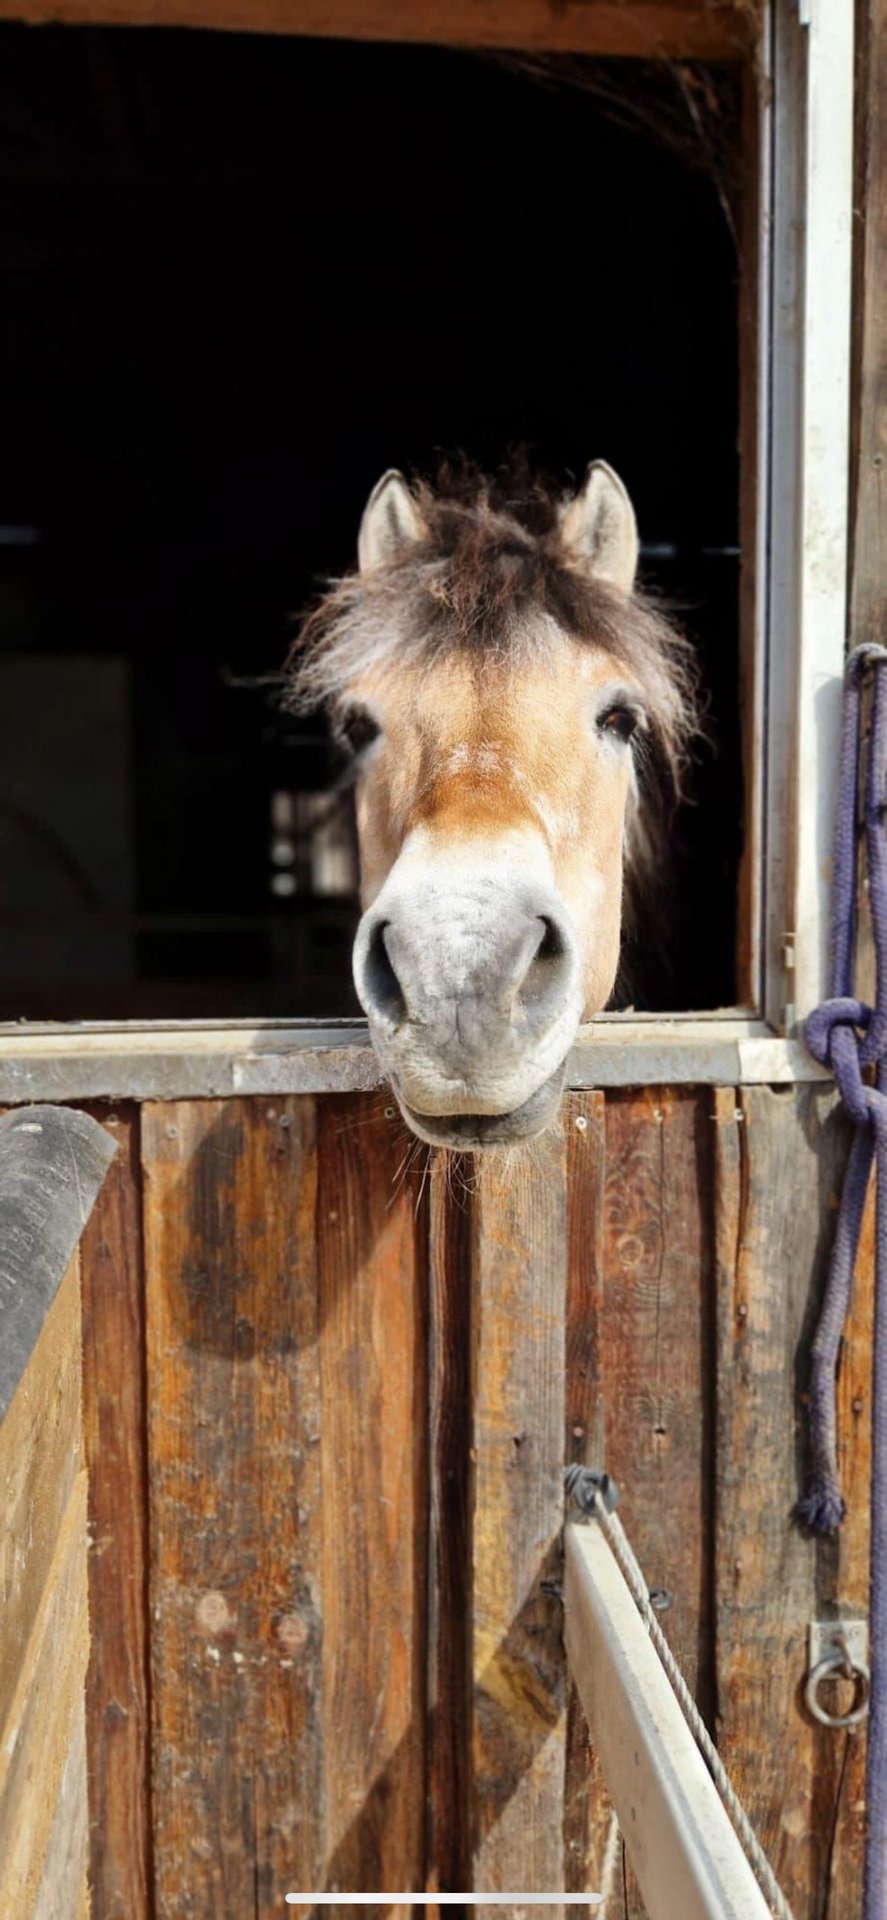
(503, 690)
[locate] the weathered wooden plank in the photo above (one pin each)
(519, 1682)
(39, 1733)
(451, 1233)
(678, 28)
(64, 1881)
(44, 1621)
(584, 1120)
(657, 1368)
(851, 1579)
(657, 1347)
(589, 1820)
(41, 1454)
(778, 1174)
(115, 1436)
(234, 1431)
(371, 1272)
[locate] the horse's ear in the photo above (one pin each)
(599, 531)
(391, 523)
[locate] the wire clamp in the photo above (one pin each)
(583, 1486)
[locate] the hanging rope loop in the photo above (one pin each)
(849, 1037)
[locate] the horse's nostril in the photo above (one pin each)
(545, 982)
(381, 989)
(551, 945)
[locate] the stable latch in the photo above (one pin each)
(838, 1650)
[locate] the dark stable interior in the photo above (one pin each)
(241, 277)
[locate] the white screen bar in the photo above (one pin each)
(444, 1899)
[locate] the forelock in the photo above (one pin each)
(487, 579)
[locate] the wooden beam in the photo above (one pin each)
(114, 1425)
(656, 1351)
(374, 1492)
(519, 1701)
(234, 1468)
(450, 1521)
(44, 1624)
(287, 1460)
(40, 1458)
(675, 29)
(42, 1778)
(685, 1853)
(655, 1358)
(590, 1838)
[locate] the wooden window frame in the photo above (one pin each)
(795, 447)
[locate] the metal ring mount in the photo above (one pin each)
(836, 1666)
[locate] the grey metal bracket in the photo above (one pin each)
(838, 1649)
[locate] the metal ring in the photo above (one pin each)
(833, 1667)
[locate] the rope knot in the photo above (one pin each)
(838, 1034)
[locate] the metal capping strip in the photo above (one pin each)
(687, 1858)
(206, 1062)
(52, 1163)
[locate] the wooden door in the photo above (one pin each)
(335, 1386)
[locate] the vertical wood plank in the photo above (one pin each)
(114, 1423)
(41, 1458)
(658, 1354)
(519, 1684)
(851, 1580)
(236, 1551)
(585, 1134)
(44, 1820)
(451, 1230)
(371, 1238)
(658, 1372)
(778, 1175)
(589, 1821)
(44, 1625)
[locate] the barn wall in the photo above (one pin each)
(327, 1426)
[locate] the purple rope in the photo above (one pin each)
(845, 1035)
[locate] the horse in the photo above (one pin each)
(512, 706)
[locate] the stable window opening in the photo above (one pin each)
(241, 277)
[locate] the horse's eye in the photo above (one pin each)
(357, 729)
(621, 721)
